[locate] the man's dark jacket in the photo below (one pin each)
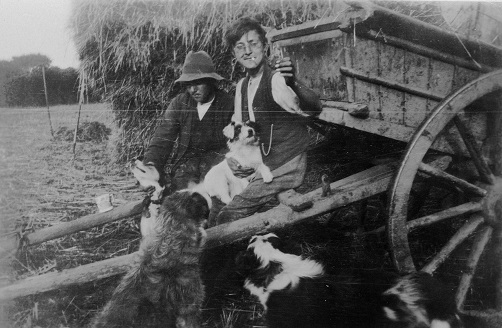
(177, 125)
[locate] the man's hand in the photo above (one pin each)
(286, 68)
(237, 169)
(147, 176)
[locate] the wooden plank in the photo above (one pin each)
(318, 63)
(83, 223)
(416, 74)
(373, 79)
(365, 61)
(371, 125)
(391, 63)
(441, 79)
(353, 188)
(425, 51)
(448, 141)
(78, 275)
(462, 76)
(349, 184)
(318, 36)
(354, 109)
(401, 26)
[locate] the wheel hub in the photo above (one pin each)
(492, 203)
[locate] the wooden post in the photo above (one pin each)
(47, 100)
(80, 101)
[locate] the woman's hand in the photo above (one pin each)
(237, 169)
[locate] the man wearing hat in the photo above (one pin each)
(196, 119)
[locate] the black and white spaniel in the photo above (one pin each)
(297, 292)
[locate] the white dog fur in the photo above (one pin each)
(244, 146)
(148, 176)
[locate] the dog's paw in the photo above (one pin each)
(267, 175)
(225, 198)
(268, 178)
(203, 236)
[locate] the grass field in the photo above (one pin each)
(43, 184)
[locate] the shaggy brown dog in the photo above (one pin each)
(167, 277)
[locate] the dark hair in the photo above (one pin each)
(241, 27)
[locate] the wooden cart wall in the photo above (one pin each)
(399, 67)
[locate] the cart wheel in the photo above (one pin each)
(475, 215)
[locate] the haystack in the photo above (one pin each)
(132, 51)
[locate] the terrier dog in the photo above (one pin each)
(166, 279)
(297, 292)
(244, 146)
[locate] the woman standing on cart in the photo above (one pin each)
(265, 97)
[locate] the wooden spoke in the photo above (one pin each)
(466, 208)
(479, 244)
(476, 156)
(440, 174)
(497, 238)
(462, 234)
(495, 136)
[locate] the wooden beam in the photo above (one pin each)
(424, 51)
(83, 223)
(478, 246)
(375, 79)
(361, 185)
(78, 275)
(374, 126)
(427, 220)
(440, 174)
(384, 128)
(355, 109)
(462, 234)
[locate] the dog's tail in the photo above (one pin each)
(122, 309)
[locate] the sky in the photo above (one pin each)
(37, 26)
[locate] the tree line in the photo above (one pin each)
(22, 84)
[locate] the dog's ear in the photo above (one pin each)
(199, 207)
(229, 131)
(254, 125)
(246, 262)
(285, 245)
(275, 242)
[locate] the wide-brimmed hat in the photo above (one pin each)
(198, 65)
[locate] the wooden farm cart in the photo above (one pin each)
(396, 77)
(436, 91)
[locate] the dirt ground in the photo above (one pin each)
(44, 184)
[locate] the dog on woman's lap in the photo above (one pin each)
(244, 145)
